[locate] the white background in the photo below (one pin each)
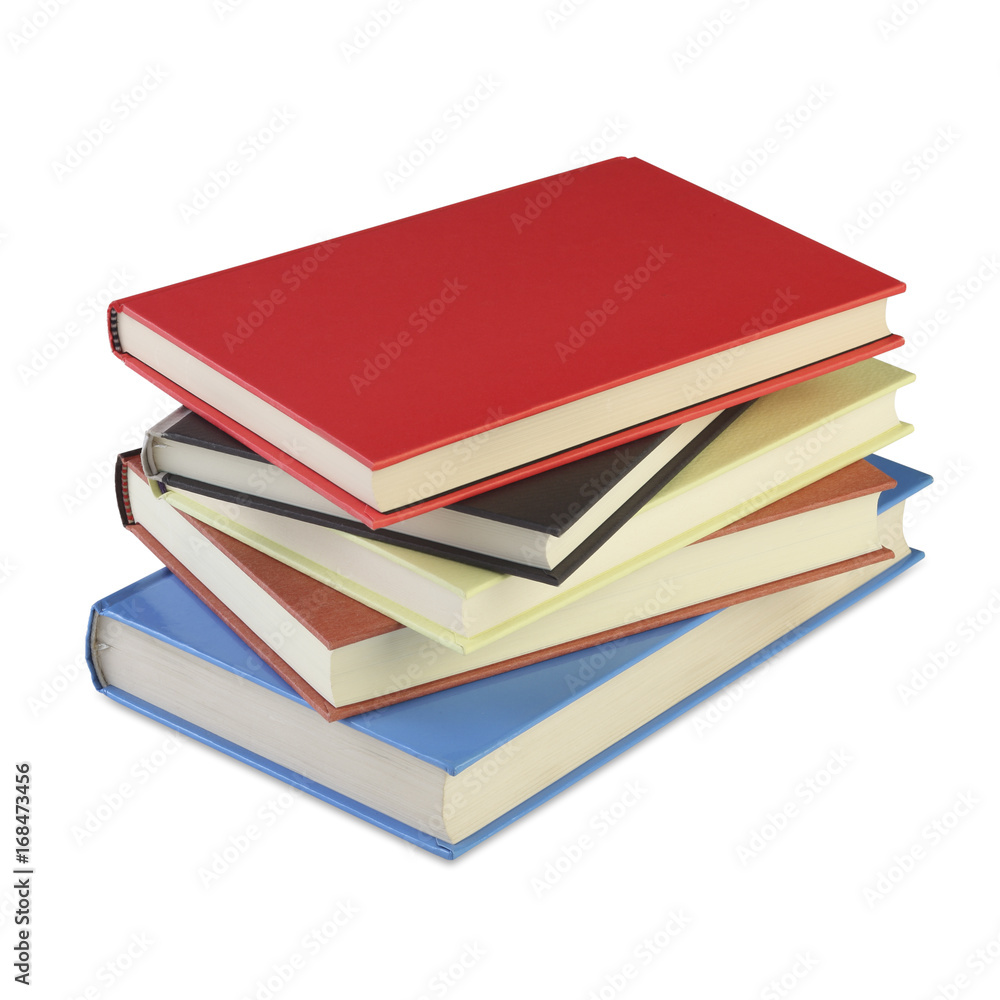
(603, 80)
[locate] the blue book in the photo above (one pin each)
(448, 770)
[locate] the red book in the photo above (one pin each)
(407, 366)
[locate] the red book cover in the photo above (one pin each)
(400, 339)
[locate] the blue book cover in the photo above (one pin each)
(454, 728)
(908, 481)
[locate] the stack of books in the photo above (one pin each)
(459, 507)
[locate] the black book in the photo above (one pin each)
(541, 528)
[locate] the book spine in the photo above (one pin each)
(90, 649)
(149, 468)
(116, 344)
(121, 489)
(160, 429)
(174, 565)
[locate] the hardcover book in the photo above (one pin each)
(344, 658)
(410, 365)
(450, 769)
(541, 528)
(780, 444)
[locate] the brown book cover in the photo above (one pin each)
(337, 620)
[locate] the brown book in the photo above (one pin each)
(311, 613)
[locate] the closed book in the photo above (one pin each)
(448, 770)
(541, 528)
(344, 658)
(410, 365)
(781, 443)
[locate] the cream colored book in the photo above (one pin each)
(350, 654)
(782, 443)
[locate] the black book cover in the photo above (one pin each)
(549, 502)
